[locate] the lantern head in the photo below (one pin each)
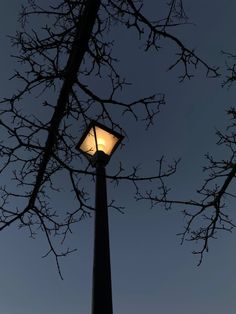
(98, 138)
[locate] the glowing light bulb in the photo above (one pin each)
(101, 144)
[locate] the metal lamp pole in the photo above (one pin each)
(98, 143)
(102, 288)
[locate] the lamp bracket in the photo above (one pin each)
(99, 158)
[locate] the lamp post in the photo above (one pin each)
(98, 143)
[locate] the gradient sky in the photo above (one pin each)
(151, 272)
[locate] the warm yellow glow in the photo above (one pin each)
(101, 144)
(105, 141)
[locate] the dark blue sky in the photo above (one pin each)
(151, 272)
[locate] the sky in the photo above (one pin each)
(151, 271)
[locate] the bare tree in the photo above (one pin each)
(209, 213)
(60, 58)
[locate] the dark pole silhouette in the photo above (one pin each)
(102, 287)
(98, 143)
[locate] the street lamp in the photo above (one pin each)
(98, 143)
